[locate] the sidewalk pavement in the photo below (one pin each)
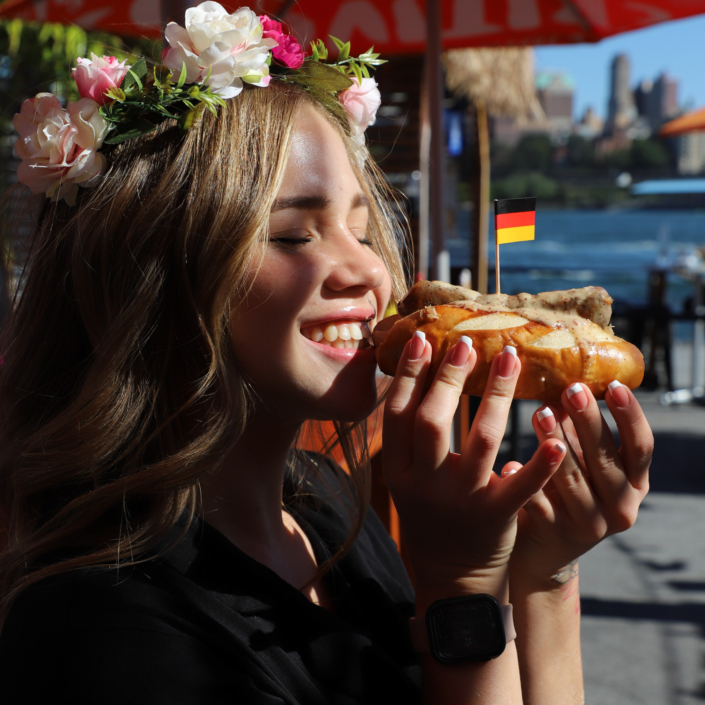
(643, 592)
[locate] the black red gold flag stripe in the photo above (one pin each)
(515, 220)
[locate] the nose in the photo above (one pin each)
(354, 265)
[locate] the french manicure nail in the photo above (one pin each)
(546, 419)
(507, 361)
(418, 345)
(619, 394)
(577, 396)
(460, 355)
(556, 451)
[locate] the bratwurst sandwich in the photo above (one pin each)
(561, 337)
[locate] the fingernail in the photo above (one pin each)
(577, 396)
(508, 472)
(418, 345)
(507, 361)
(547, 420)
(619, 394)
(460, 355)
(555, 452)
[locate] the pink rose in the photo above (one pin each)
(59, 148)
(361, 102)
(288, 52)
(97, 75)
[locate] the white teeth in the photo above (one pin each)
(343, 335)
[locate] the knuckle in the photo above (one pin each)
(450, 378)
(428, 427)
(645, 449)
(486, 437)
(622, 519)
(596, 531)
(572, 477)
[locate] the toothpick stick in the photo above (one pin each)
(496, 259)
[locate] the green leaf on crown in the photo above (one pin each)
(135, 77)
(318, 77)
(182, 76)
(130, 130)
(189, 119)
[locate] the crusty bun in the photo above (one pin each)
(561, 337)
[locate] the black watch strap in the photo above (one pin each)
(419, 632)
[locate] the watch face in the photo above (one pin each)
(465, 629)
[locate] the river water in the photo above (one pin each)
(615, 249)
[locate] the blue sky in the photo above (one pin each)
(675, 47)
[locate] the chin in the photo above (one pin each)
(352, 407)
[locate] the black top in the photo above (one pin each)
(208, 625)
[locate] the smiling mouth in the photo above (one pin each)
(340, 334)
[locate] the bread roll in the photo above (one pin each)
(556, 341)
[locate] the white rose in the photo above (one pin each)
(231, 47)
(59, 148)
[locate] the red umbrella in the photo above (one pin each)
(395, 26)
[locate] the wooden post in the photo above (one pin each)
(434, 81)
(424, 167)
(482, 201)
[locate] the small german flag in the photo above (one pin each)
(514, 219)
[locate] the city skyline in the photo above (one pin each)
(677, 48)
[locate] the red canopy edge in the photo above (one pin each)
(395, 26)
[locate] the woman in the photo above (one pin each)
(165, 544)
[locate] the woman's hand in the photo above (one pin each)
(458, 516)
(597, 490)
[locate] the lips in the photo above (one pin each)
(349, 334)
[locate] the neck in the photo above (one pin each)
(243, 500)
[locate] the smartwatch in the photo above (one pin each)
(461, 629)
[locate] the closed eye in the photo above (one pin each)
(291, 242)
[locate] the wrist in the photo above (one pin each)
(549, 581)
(493, 582)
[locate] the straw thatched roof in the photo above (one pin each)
(501, 78)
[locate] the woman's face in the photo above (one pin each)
(319, 277)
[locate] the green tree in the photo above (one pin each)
(581, 152)
(534, 152)
(649, 154)
(38, 58)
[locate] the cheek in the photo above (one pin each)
(264, 326)
(383, 294)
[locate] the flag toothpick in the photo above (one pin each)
(514, 221)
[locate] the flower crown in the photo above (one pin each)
(207, 62)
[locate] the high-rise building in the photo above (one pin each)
(643, 98)
(621, 110)
(657, 101)
(555, 93)
(665, 98)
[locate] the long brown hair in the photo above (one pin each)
(118, 339)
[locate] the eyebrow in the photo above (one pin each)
(316, 203)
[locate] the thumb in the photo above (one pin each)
(519, 486)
